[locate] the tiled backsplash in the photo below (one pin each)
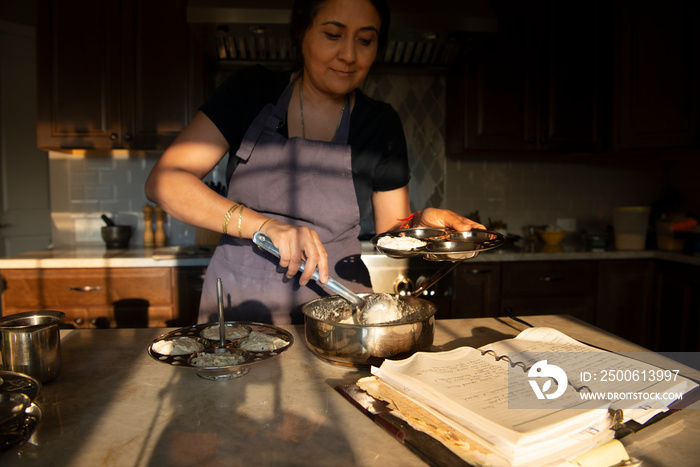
(420, 101)
(518, 192)
(522, 193)
(85, 187)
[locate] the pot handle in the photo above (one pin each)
(264, 242)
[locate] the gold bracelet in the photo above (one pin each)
(263, 224)
(227, 217)
(240, 218)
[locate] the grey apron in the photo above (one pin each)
(300, 182)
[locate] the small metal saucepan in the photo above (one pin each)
(31, 343)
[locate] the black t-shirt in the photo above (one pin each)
(376, 138)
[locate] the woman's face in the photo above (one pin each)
(340, 45)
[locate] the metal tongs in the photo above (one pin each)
(264, 242)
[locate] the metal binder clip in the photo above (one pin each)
(631, 462)
(617, 419)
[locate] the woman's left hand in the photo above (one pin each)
(432, 217)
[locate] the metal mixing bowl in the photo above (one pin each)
(332, 335)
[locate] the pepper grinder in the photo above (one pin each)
(160, 231)
(148, 226)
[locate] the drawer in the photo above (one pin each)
(51, 288)
(580, 306)
(549, 279)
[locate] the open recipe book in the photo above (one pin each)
(537, 399)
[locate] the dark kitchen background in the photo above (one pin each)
(563, 110)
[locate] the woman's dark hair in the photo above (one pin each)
(304, 12)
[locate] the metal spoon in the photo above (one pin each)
(264, 242)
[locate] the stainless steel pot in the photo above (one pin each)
(31, 344)
(333, 336)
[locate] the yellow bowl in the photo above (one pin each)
(552, 238)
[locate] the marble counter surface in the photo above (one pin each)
(99, 257)
(113, 405)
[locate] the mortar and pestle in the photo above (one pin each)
(115, 236)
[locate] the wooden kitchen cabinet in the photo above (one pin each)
(550, 287)
(536, 85)
(115, 74)
(677, 308)
(106, 298)
(625, 299)
(657, 85)
(477, 290)
(190, 281)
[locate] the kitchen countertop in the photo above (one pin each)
(113, 405)
(99, 257)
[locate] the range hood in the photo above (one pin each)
(429, 36)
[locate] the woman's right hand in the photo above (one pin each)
(297, 244)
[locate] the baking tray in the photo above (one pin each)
(441, 244)
(195, 332)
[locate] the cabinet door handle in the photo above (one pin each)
(87, 288)
(477, 271)
(78, 321)
(113, 136)
(550, 279)
(127, 137)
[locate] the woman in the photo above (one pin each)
(309, 149)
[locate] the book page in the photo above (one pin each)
(630, 383)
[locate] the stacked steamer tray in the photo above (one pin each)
(199, 348)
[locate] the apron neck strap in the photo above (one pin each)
(280, 109)
(341, 135)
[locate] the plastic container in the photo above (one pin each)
(631, 224)
(667, 239)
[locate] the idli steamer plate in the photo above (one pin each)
(223, 372)
(442, 244)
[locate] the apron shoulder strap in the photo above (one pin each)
(269, 118)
